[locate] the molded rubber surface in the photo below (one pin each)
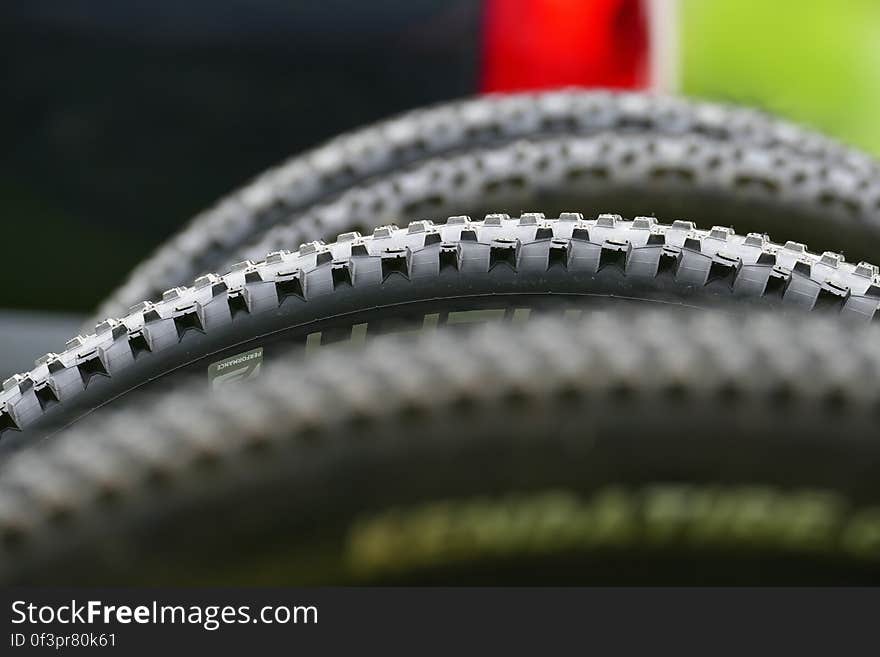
(757, 432)
(425, 269)
(690, 176)
(393, 145)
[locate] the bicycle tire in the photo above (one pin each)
(405, 275)
(373, 465)
(706, 181)
(458, 126)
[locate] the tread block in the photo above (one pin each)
(90, 368)
(318, 281)
(669, 261)
(864, 308)
(558, 253)
(173, 293)
(584, 256)
(311, 247)
(207, 280)
(473, 257)
(139, 344)
(117, 356)
(580, 234)
(449, 257)
(724, 270)
(189, 320)
(432, 238)
(395, 261)
(613, 254)
(12, 382)
(767, 258)
(752, 280)
(417, 227)
(45, 358)
(778, 281)
(608, 220)
(113, 326)
(237, 303)
(253, 276)
(151, 315)
(802, 292)
(219, 288)
(866, 270)
(755, 239)
(831, 259)
(503, 252)
(693, 268)
(803, 267)
(290, 286)
(341, 274)
(54, 364)
(46, 396)
(366, 271)
(7, 422)
(530, 218)
(831, 297)
(359, 250)
(532, 256)
(721, 233)
(424, 262)
(693, 243)
(275, 257)
(495, 219)
(643, 261)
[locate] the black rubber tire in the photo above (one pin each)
(314, 177)
(397, 278)
(723, 450)
(706, 181)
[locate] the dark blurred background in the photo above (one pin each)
(123, 119)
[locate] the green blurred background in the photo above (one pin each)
(816, 61)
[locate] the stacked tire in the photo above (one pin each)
(581, 372)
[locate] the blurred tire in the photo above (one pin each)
(216, 236)
(624, 448)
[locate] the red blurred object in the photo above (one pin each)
(542, 44)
